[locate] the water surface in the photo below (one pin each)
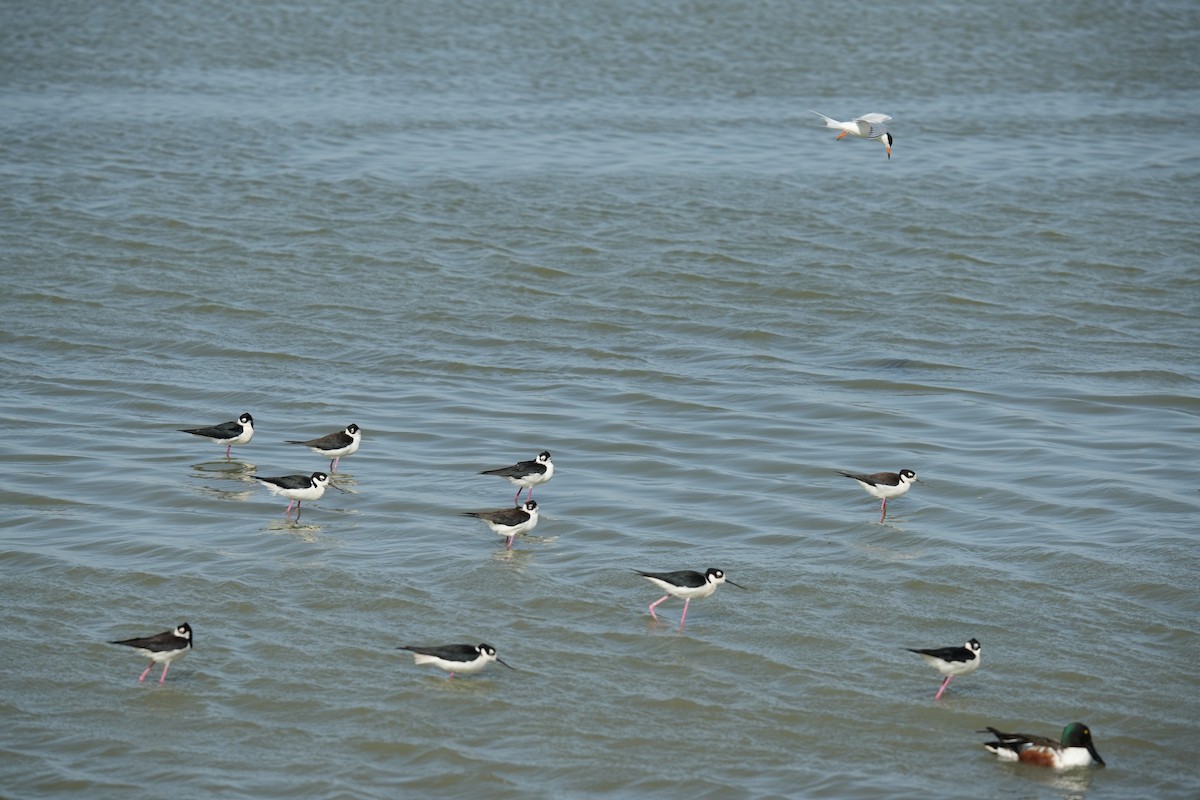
(613, 231)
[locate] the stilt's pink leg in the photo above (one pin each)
(142, 677)
(508, 543)
(686, 603)
(517, 499)
(164, 675)
(288, 510)
(883, 510)
(656, 602)
(945, 683)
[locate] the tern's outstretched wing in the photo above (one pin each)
(870, 130)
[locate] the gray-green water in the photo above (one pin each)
(614, 231)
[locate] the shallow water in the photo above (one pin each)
(612, 231)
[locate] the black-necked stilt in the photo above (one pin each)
(162, 648)
(951, 661)
(297, 487)
(885, 485)
(526, 474)
(509, 522)
(1075, 749)
(464, 658)
(335, 445)
(686, 585)
(239, 431)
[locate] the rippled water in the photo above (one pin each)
(612, 231)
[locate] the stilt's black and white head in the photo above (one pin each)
(184, 631)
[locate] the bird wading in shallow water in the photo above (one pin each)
(297, 488)
(868, 126)
(466, 659)
(162, 648)
(951, 661)
(526, 474)
(885, 485)
(687, 585)
(1075, 749)
(239, 432)
(509, 522)
(335, 445)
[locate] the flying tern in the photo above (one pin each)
(868, 126)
